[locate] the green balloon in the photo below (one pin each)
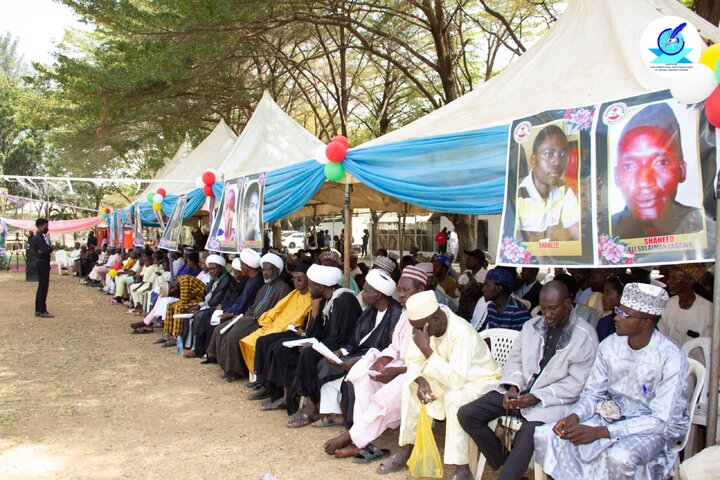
(150, 197)
(334, 171)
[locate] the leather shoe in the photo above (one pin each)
(208, 360)
(189, 354)
(137, 325)
(44, 315)
(252, 385)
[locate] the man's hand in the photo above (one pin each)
(424, 392)
(194, 308)
(349, 363)
(380, 364)
(510, 395)
(299, 332)
(564, 424)
(315, 308)
(422, 340)
(583, 434)
(388, 374)
(226, 316)
(523, 401)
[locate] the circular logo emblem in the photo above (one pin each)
(522, 131)
(670, 46)
(614, 113)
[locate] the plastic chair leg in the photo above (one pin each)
(537, 469)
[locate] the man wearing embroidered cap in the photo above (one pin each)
(448, 365)
(250, 267)
(229, 356)
(375, 385)
(373, 329)
(686, 315)
(633, 408)
(330, 258)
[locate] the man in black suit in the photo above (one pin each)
(40, 246)
(529, 288)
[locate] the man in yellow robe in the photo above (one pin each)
(448, 365)
(292, 310)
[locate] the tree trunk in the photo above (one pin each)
(465, 228)
(708, 9)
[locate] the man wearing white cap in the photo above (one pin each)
(332, 321)
(229, 356)
(250, 268)
(633, 408)
(373, 329)
(448, 365)
(222, 293)
(375, 384)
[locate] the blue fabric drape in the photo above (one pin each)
(455, 173)
(288, 189)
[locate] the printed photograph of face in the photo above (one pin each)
(657, 188)
(547, 208)
(251, 213)
(226, 230)
(137, 230)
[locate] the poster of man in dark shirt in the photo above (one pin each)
(40, 246)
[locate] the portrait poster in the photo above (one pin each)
(112, 242)
(138, 240)
(251, 211)
(170, 239)
(224, 232)
(547, 215)
(3, 242)
(656, 165)
(118, 230)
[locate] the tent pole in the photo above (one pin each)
(305, 234)
(715, 350)
(348, 236)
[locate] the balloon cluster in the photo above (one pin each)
(112, 273)
(332, 155)
(207, 180)
(105, 213)
(156, 198)
(701, 84)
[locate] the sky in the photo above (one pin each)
(38, 24)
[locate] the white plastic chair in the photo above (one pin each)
(501, 341)
(61, 260)
(701, 409)
(696, 370)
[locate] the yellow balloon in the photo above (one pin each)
(710, 56)
(157, 206)
(112, 273)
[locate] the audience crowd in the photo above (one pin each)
(595, 380)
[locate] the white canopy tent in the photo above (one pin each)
(590, 55)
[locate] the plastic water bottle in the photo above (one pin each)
(180, 345)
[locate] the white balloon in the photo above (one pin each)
(695, 86)
(199, 182)
(320, 156)
(157, 199)
(218, 176)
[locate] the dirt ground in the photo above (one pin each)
(82, 398)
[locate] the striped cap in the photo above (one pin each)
(385, 263)
(414, 273)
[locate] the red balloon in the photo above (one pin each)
(335, 151)
(107, 210)
(208, 190)
(117, 266)
(162, 191)
(208, 178)
(712, 108)
(342, 139)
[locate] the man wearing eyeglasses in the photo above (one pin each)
(546, 208)
(633, 407)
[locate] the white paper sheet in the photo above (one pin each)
(302, 341)
(326, 352)
(230, 325)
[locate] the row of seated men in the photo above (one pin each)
(588, 410)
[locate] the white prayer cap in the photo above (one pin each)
(426, 267)
(216, 259)
(381, 281)
(236, 263)
(644, 298)
(421, 305)
(273, 259)
(328, 276)
(250, 257)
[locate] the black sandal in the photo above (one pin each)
(370, 454)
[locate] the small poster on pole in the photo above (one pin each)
(170, 239)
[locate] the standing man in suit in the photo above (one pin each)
(40, 245)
